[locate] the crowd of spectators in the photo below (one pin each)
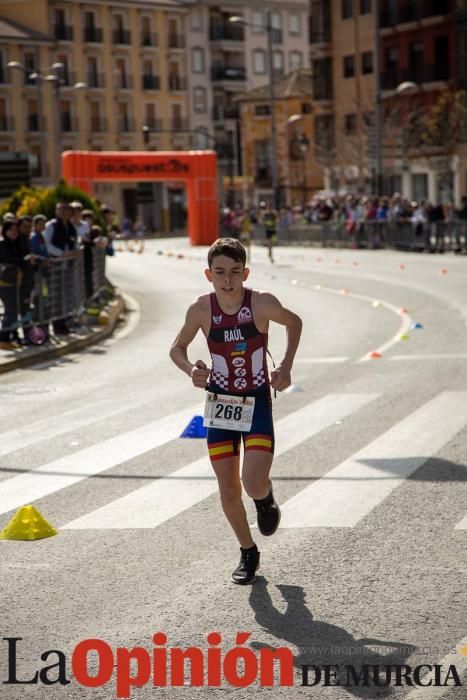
(351, 213)
(30, 243)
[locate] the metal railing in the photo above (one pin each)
(52, 290)
(432, 237)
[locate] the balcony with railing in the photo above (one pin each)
(226, 31)
(154, 124)
(63, 32)
(67, 77)
(92, 35)
(177, 83)
(95, 80)
(68, 123)
(149, 39)
(121, 36)
(221, 112)
(263, 176)
(413, 11)
(320, 31)
(150, 82)
(175, 41)
(33, 123)
(125, 124)
(277, 36)
(179, 124)
(428, 73)
(98, 125)
(123, 81)
(322, 88)
(228, 73)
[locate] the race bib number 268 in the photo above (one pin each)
(229, 412)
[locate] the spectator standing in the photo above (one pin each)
(37, 242)
(60, 238)
(13, 266)
(81, 225)
(110, 228)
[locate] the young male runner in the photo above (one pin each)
(235, 322)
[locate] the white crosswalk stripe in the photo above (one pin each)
(462, 524)
(66, 422)
(155, 503)
(351, 490)
(96, 459)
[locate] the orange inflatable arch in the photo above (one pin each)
(198, 170)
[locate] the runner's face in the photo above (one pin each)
(227, 275)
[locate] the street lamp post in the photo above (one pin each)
(44, 75)
(269, 31)
(16, 65)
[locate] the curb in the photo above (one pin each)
(32, 356)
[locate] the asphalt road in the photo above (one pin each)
(369, 564)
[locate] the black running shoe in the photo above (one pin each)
(249, 563)
(269, 514)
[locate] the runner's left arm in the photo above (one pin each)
(274, 311)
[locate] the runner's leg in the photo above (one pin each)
(230, 491)
(255, 473)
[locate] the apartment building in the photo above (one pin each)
(299, 175)
(419, 61)
(90, 75)
(342, 44)
(226, 59)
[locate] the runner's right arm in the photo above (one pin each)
(198, 371)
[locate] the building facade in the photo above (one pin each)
(90, 75)
(299, 175)
(226, 58)
(418, 64)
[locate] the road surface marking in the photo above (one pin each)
(445, 356)
(157, 502)
(71, 469)
(319, 360)
(351, 490)
(66, 422)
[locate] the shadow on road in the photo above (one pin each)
(318, 642)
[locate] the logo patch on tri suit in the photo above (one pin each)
(244, 314)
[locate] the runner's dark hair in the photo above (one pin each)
(229, 247)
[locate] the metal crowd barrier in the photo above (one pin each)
(52, 290)
(437, 236)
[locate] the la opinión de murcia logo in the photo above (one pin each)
(240, 667)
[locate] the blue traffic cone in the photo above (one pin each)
(195, 428)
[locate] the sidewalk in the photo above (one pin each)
(30, 355)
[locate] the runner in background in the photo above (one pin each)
(269, 219)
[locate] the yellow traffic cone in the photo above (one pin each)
(27, 524)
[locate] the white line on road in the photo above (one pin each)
(96, 459)
(67, 422)
(157, 502)
(351, 490)
(431, 692)
(319, 360)
(441, 356)
(462, 524)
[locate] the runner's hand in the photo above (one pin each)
(280, 378)
(200, 374)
